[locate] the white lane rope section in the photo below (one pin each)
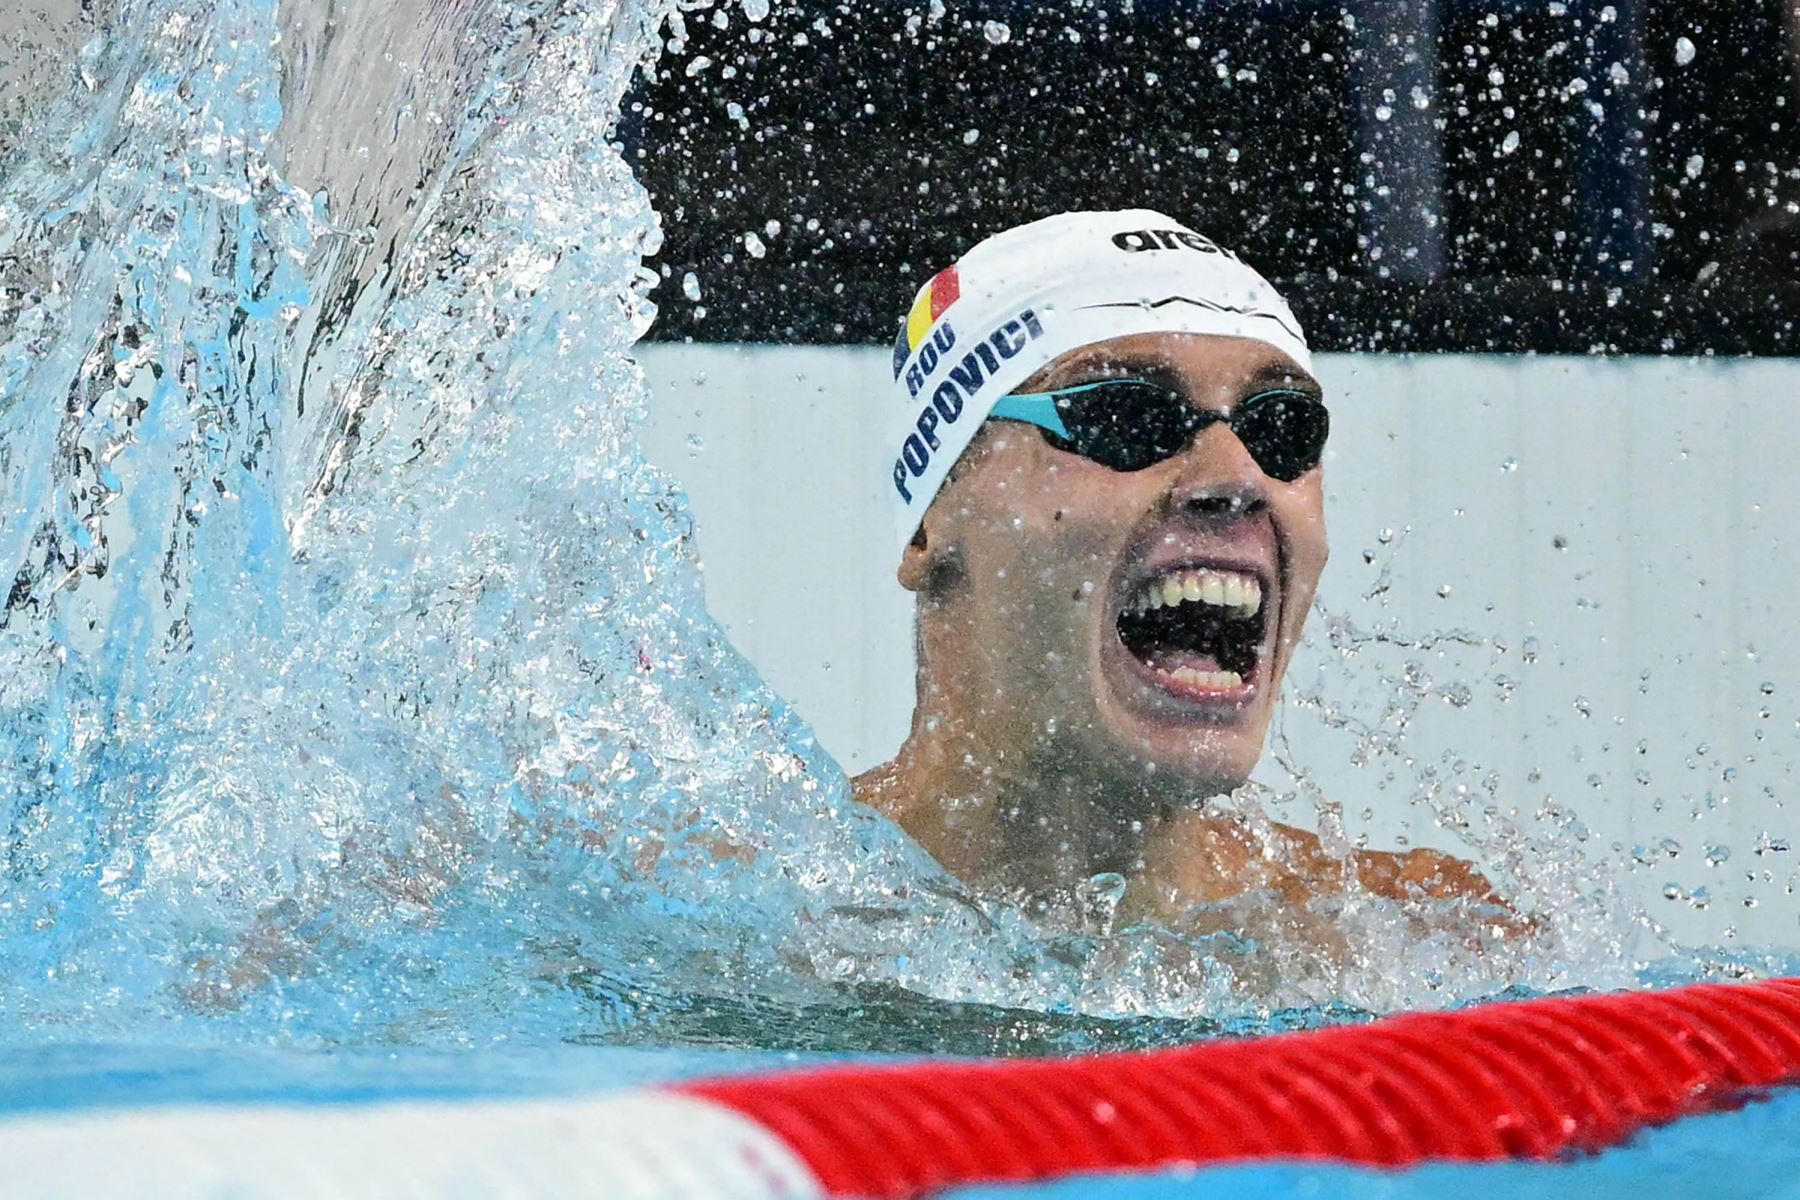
(625, 1146)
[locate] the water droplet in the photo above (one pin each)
(1107, 885)
(1696, 163)
(690, 286)
(756, 10)
(1684, 51)
(971, 137)
(754, 245)
(1510, 142)
(1098, 899)
(997, 33)
(1383, 112)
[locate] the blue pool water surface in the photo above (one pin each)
(77, 1078)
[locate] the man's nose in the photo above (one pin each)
(1218, 477)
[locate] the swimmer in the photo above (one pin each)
(1105, 472)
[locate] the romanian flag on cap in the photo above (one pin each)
(933, 299)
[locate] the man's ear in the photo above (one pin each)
(915, 561)
(932, 563)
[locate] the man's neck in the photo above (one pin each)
(1006, 817)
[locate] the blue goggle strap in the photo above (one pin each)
(1039, 408)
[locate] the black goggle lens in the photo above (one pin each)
(1284, 431)
(1130, 424)
(1126, 425)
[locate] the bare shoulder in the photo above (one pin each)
(1423, 873)
(1395, 875)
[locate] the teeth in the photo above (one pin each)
(1221, 589)
(1221, 680)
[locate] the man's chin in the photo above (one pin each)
(1208, 756)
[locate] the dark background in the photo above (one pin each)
(1358, 154)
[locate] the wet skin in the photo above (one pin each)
(1042, 750)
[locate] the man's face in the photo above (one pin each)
(1108, 621)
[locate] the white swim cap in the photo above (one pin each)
(1024, 297)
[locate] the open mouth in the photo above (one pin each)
(1197, 631)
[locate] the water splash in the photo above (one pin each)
(355, 678)
(355, 661)
(1370, 684)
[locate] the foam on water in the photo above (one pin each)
(355, 677)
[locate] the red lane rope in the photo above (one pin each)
(1533, 1079)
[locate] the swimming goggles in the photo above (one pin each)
(1131, 424)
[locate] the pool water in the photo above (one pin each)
(88, 1077)
(682, 1043)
